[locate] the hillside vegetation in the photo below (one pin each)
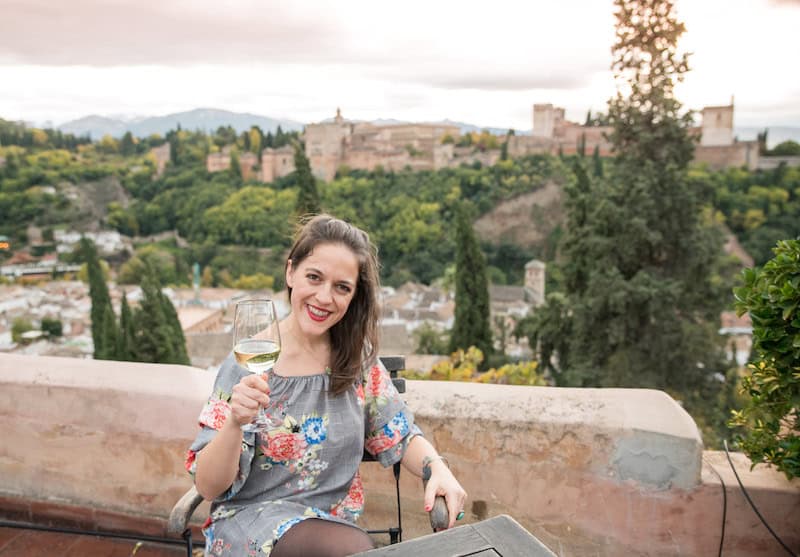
(237, 228)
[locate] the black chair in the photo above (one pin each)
(393, 364)
(178, 522)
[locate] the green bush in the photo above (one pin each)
(771, 416)
(53, 327)
(19, 326)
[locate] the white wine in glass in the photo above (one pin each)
(257, 355)
(256, 347)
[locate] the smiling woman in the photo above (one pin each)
(293, 488)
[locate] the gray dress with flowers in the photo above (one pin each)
(308, 466)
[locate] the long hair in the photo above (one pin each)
(354, 339)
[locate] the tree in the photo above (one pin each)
(104, 326)
(641, 262)
(504, 150)
(236, 167)
(471, 326)
(175, 147)
(256, 137)
(178, 339)
(127, 146)
(159, 337)
(126, 340)
(11, 168)
(786, 149)
(157, 258)
(308, 201)
(581, 147)
(771, 416)
(430, 340)
(597, 162)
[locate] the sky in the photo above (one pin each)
(485, 63)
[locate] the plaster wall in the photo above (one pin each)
(717, 126)
(588, 471)
(216, 162)
(718, 157)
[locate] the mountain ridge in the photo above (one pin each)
(204, 119)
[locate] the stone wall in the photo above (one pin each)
(588, 471)
(718, 157)
(772, 162)
(276, 163)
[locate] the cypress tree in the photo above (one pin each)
(158, 335)
(471, 327)
(598, 162)
(308, 202)
(176, 331)
(127, 146)
(126, 339)
(236, 167)
(104, 326)
(108, 336)
(504, 150)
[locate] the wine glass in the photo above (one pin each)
(256, 346)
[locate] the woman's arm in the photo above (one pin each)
(218, 463)
(442, 481)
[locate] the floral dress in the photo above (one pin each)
(308, 466)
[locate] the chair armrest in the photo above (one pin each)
(439, 515)
(182, 511)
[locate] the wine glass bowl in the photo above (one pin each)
(256, 347)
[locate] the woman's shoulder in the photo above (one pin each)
(229, 371)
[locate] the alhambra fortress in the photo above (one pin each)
(338, 143)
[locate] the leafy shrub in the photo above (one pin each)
(771, 416)
(463, 366)
(53, 327)
(19, 326)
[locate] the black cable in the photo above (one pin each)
(746, 496)
(57, 530)
(724, 506)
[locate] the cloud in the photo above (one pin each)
(499, 80)
(135, 32)
(447, 44)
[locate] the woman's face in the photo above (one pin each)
(323, 285)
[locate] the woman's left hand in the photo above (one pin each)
(443, 482)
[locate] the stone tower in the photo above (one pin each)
(534, 282)
(546, 118)
(717, 126)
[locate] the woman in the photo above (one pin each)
(295, 490)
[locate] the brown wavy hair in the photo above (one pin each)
(354, 339)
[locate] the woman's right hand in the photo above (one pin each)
(248, 394)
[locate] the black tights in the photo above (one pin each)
(321, 538)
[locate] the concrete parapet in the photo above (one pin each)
(588, 471)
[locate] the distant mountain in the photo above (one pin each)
(204, 119)
(95, 126)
